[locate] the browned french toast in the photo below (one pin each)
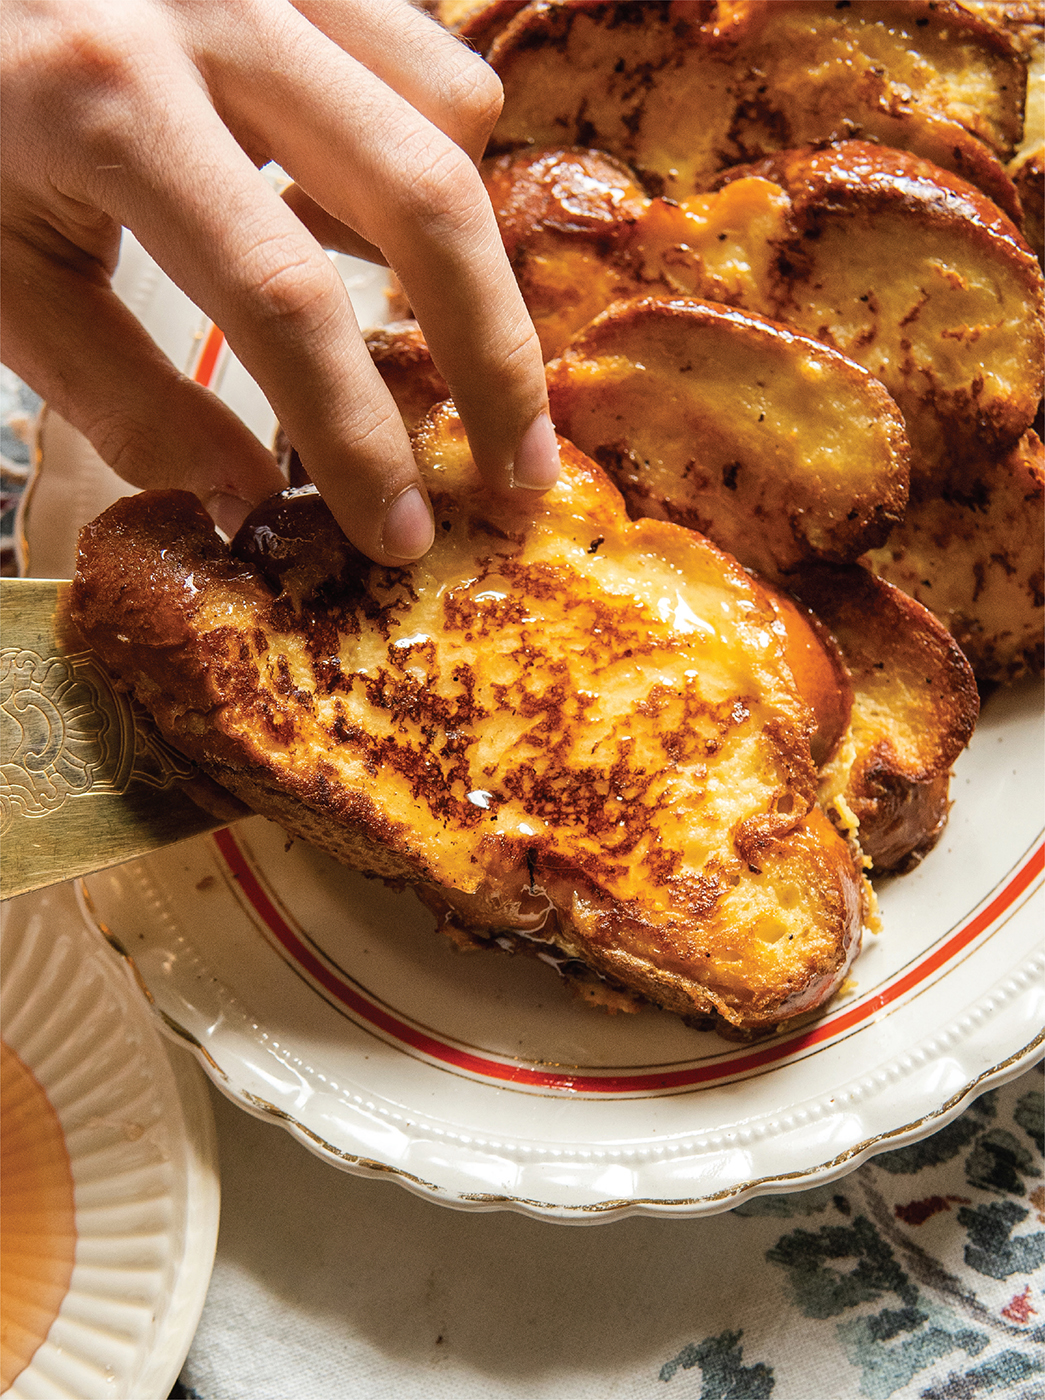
(902, 267)
(915, 275)
(682, 90)
(826, 462)
(571, 724)
(785, 456)
(974, 558)
(905, 269)
(777, 448)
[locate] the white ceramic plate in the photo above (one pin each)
(139, 1132)
(328, 1003)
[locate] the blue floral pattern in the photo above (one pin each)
(926, 1268)
(19, 407)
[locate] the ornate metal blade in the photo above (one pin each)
(87, 781)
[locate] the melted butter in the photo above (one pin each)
(713, 244)
(37, 1216)
(683, 619)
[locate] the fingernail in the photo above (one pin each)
(536, 465)
(228, 512)
(409, 529)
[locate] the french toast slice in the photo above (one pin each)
(914, 708)
(572, 725)
(777, 448)
(901, 267)
(680, 91)
(568, 219)
(974, 559)
(915, 275)
(735, 426)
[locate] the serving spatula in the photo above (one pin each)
(87, 780)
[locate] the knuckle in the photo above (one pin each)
(478, 100)
(86, 75)
(446, 196)
(286, 283)
(97, 62)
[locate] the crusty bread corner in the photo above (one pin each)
(571, 724)
(914, 709)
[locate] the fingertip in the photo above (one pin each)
(409, 529)
(536, 465)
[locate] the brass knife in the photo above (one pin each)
(87, 780)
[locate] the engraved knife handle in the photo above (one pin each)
(87, 780)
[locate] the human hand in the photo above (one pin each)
(156, 115)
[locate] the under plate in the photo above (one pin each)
(139, 1131)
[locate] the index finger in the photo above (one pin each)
(376, 164)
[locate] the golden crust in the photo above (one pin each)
(819, 669)
(1028, 175)
(681, 90)
(774, 446)
(477, 21)
(668, 397)
(905, 269)
(974, 558)
(915, 706)
(644, 800)
(1022, 20)
(566, 218)
(402, 358)
(918, 277)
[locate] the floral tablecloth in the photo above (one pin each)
(920, 1274)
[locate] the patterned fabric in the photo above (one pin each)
(18, 409)
(920, 1276)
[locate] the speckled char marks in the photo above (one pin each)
(682, 90)
(573, 707)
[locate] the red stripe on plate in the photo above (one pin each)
(634, 1082)
(212, 343)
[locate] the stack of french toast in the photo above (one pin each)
(663, 728)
